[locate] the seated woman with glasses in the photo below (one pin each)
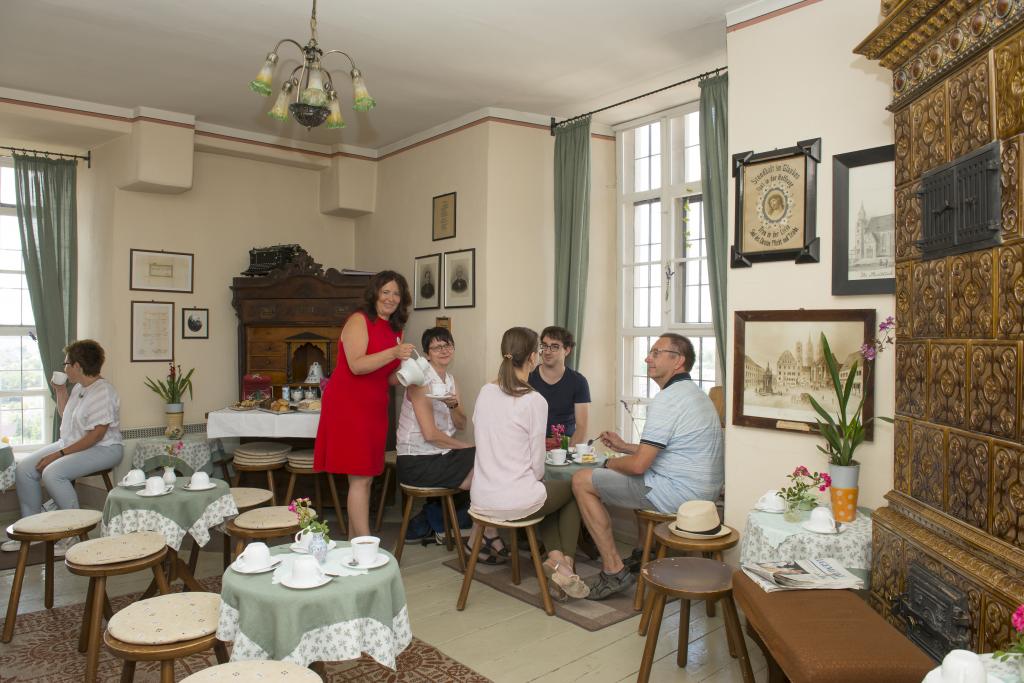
(90, 436)
(510, 418)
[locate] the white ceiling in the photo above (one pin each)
(425, 62)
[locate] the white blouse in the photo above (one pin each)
(87, 408)
(409, 438)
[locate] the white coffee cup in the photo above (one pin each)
(821, 518)
(256, 555)
(306, 570)
(302, 539)
(133, 478)
(962, 666)
(557, 456)
(584, 448)
(199, 480)
(438, 389)
(364, 549)
(59, 377)
(155, 485)
(413, 371)
(771, 501)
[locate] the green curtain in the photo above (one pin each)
(46, 200)
(714, 170)
(572, 227)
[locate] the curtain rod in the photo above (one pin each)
(713, 72)
(87, 157)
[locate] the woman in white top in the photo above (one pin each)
(429, 455)
(90, 435)
(510, 419)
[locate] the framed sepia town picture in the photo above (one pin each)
(426, 282)
(779, 362)
(776, 204)
(864, 222)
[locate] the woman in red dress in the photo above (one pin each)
(354, 415)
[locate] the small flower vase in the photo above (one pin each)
(796, 509)
(169, 476)
(318, 547)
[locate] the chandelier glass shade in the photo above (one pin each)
(308, 94)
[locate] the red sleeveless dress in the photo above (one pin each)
(353, 426)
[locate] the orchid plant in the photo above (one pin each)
(172, 389)
(302, 507)
(173, 450)
(558, 433)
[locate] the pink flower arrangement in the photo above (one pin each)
(803, 481)
(886, 330)
(1016, 647)
(558, 433)
(302, 507)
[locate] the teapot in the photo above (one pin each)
(414, 371)
(315, 373)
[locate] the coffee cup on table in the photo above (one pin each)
(199, 480)
(155, 485)
(963, 666)
(584, 448)
(256, 555)
(822, 519)
(306, 570)
(364, 549)
(302, 539)
(771, 501)
(133, 478)
(59, 377)
(557, 456)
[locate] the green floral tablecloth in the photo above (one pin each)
(178, 513)
(151, 454)
(6, 468)
(336, 622)
(770, 538)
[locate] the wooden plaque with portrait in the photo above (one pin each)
(776, 198)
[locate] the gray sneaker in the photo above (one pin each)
(608, 585)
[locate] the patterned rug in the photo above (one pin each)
(45, 650)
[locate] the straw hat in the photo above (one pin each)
(698, 519)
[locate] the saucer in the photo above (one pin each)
(189, 487)
(840, 528)
(130, 486)
(301, 549)
(935, 676)
(439, 397)
(773, 512)
(236, 565)
(287, 581)
(167, 489)
(346, 555)
(556, 464)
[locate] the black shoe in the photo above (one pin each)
(632, 563)
(608, 585)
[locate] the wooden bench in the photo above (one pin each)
(826, 635)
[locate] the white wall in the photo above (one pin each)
(794, 77)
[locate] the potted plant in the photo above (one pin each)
(319, 532)
(845, 431)
(800, 496)
(172, 390)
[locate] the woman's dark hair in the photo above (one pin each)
(435, 334)
(372, 293)
(517, 344)
(88, 354)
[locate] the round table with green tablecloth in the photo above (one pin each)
(152, 454)
(561, 472)
(339, 621)
(6, 468)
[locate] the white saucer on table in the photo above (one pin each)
(239, 566)
(287, 581)
(145, 494)
(548, 461)
(840, 528)
(345, 554)
(189, 487)
(303, 550)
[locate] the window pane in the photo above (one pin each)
(642, 137)
(692, 122)
(641, 175)
(691, 165)
(655, 137)
(10, 237)
(7, 185)
(655, 171)
(10, 306)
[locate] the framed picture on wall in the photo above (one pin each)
(460, 278)
(776, 203)
(864, 222)
(443, 224)
(160, 271)
(426, 282)
(152, 331)
(779, 363)
(195, 323)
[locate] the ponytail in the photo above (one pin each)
(517, 344)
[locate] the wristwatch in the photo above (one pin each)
(62, 452)
(454, 406)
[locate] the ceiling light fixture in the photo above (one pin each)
(316, 100)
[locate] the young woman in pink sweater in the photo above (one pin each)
(510, 420)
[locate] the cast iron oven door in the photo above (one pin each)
(935, 613)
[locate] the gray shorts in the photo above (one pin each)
(622, 490)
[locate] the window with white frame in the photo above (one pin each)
(25, 404)
(662, 254)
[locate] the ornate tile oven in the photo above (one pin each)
(949, 547)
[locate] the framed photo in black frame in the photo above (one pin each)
(460, 278)
(864, 222)
(443, 222)
(776, 204)
(427, 282)
(195, 323)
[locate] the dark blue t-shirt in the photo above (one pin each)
(562, 397)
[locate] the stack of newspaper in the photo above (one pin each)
(801, 574)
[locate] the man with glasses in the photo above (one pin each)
(679, 458)
(566, 390)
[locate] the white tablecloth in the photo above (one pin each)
(256, 423)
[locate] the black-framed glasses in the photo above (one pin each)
(654, 353)
(551, 347)
(67, 363)
(444, 346)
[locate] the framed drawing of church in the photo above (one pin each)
(864, 222)
(776, 205)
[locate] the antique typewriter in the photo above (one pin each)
(265, 259)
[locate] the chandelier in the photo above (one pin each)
(310, 86)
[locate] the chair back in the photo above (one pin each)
(717, 396)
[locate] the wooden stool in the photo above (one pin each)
(262, 670)
(111, 556)
(164, 629)
(452, 533)
(305, 472)
(269, 469)
(480, 521)
(648, 519)
(245, 499)
(691, 578)
(46, 527)
(390, 474)
(260, 524)
(707, 547)
(260, 456)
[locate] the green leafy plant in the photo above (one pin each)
(845, 431)
(173, 388)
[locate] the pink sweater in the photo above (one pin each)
(509, 466)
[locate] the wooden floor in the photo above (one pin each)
(499, 636)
